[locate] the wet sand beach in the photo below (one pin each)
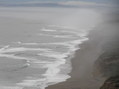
(84, 75)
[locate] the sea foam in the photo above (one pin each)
(53, 74)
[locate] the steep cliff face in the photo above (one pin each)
(111, 83)
(107, 64)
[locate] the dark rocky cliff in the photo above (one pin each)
(111, 83)
(107, 63)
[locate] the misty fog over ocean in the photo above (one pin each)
(37, 43)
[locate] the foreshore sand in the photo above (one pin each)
(84, 75)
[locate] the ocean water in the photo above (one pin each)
(36, 55)
(51, 52)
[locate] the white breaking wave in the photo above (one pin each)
(52, 75)
(49, 30)
(57, 36)
(10, 87)
(4, 50)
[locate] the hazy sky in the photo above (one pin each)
(102, 1)
(60, 2)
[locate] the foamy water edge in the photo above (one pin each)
(52, 75)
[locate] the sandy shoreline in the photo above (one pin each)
(84, 75)
(74, 81)
(80, 65)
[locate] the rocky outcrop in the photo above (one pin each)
(111, 83)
